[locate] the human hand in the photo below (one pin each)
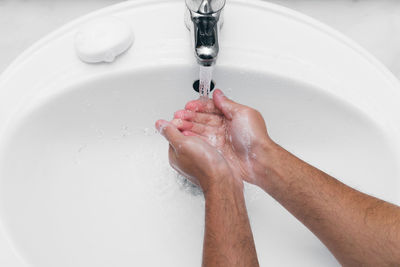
(237, 131)
(196, 159)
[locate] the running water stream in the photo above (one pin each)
(205, 80)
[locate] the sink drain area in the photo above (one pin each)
(196, 85)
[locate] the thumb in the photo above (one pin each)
(227, 106)
(169, 131)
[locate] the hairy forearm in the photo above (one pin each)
(228, 240)
(357, 228)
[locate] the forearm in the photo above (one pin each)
(357, 228)
(228, 240)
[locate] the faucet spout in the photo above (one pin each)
(205, 7)
(204, 22)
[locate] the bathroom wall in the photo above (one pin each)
(375, 24)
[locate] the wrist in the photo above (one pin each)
(267, 146)
(224, 184)
(224, 194)
(267, 154)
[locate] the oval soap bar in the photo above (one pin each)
(103, 39)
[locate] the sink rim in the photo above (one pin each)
(11, 73)
(255, 3)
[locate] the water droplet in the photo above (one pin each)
(149, 131)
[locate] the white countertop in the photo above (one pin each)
(374, 24)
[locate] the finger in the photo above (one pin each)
(227, 106)
(204, 118)
(205, 106)
(210, 138)
(203, 129)
(194, 127)
(190, 133)
(198, 128)
(182, 124)
(169, 131)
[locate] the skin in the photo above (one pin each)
(228, 240)
(358, 229)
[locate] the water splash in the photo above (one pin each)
(205, 80)
(187, 186)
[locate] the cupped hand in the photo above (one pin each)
(238, 132)
(196, 159)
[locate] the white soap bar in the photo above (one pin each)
(103, 39)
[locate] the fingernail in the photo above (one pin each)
(219, 92)
(160, 126)
(188, 133)
(178, 114)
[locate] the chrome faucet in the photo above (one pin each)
(204, 20)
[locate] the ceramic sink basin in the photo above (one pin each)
(85, 180)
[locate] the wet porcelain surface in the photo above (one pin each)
(84, 178)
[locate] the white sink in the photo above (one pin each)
(85, 180)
